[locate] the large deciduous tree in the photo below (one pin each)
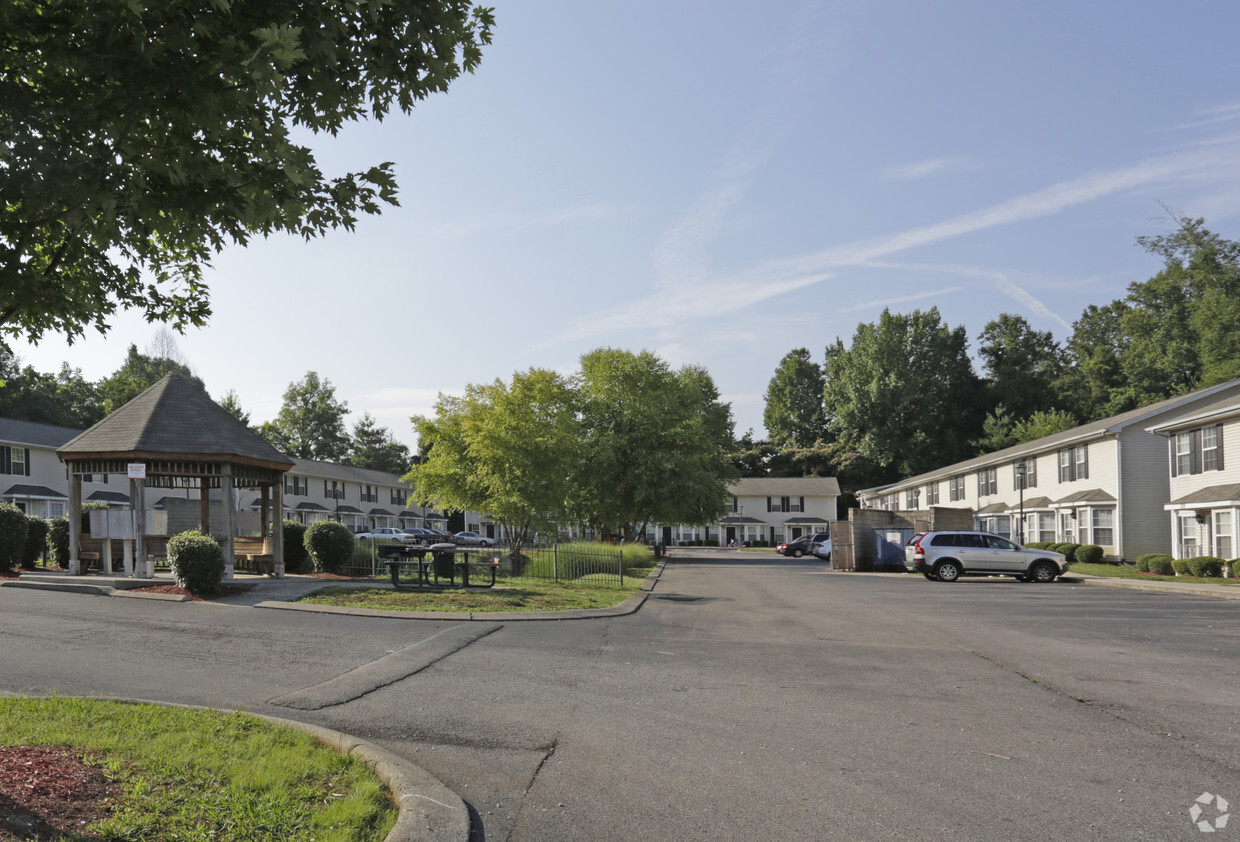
(904, 395)
(138, 139)
(310, 424)
(1020, 365)
(658, 443)
(794, 411)
(138, 373)
(510, 450)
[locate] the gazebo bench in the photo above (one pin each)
(256, 552)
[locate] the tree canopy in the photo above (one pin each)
(511, 450)
(310, 424)
(138, 139)
(376, 448)
(794, 414)
(904, 394)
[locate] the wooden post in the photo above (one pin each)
(138, 495)
(204, 487)
(277, 529)
(75, 522)
(226, 485)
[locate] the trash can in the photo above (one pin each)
(444, 564)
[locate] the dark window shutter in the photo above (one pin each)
(802, 505)
(768, 504)
(1196, 461)
(1171, 450)
(28, 457)
(6, 460)
(1219, 434)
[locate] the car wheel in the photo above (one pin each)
(947, 571)
(1043, 572)
(930, 576)
(797, 553)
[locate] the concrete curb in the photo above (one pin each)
(427, 811)
(1186, 589)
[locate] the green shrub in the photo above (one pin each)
(1161, 565)
(197, 561)
(1089, 554)
(1068, 549)
(1235, 567)
(330, 545)
(1206, 566)
(12, 535)
(1143, 561)
(1180, 566)
(296, 559)
(58, 541)
(36, 541)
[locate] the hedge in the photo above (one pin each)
(12, 535)
(36, 541)
(1068, 550)
(1161, 565)
(1235, 567)
(330, 545)
(1180, 565)
(296, 559)
(58, 541)
(1206, 566)
(197, 561)
(1089, 554)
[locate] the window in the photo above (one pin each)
(1067, 527)
(734, 504)
(932, 494)
(332, 489)
(1074, 463)
(296, 486)
(1188, 536)
(1222, 534)
(15, 460)
(370, 494)
(1031, 475)
(987, 482)
(955, 488)
(400, 496)
(1104, 527)
(910, 499)
(1196, 451)
(55, 508)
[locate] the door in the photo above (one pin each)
(667, 536)
(1003, 556)
(731, 535)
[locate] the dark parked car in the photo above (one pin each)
(804, 545)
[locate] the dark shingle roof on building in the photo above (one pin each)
(174, 417)
(30, 433)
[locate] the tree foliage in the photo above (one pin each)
(139, 139)
(511, 450)
(231, 403)
(137, 374)
(310, 424)
(1020, 365)
(376, 448)
(658, 443)
(904, 394)
(65, 399)
(794, 410)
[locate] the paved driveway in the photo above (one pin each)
(751, 698)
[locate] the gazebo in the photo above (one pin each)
(174, 436)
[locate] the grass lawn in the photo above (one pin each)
(1119, 571)
(182, 774)
(513, 595)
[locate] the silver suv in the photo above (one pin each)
(948, 555)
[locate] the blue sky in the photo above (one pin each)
(722, 183)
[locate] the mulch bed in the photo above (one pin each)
(47, 792)
(225, 590)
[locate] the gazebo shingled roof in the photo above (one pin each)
(175, 418)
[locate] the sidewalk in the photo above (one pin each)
(1182, 588)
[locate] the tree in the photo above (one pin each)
(64, 399)
(904, 395)
(1042, 424)
(1093, 380)
(794, 411)
(996, 431)
(139, 139)
(310, 424)
(375, 447)
(509, 450)
(1020, 365)
(231, 402)
(137, 374)
(658, 443)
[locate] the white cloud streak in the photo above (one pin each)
(925, 169)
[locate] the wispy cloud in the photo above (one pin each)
(927, 168)
(516, 221)
(1210, 117)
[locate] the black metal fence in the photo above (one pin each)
(583, 563)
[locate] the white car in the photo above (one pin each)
(821, 549)
(948, 555)
(387, 533)
(472, 539)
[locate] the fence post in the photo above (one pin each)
(555, 562)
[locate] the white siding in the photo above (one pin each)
(1145, 527)
(1188, 483)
